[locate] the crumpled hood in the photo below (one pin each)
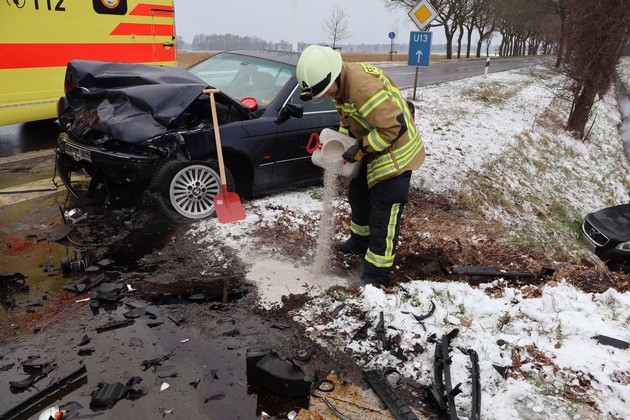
(133, 102)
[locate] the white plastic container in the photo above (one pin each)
(328, 155)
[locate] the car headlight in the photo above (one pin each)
(624, 246)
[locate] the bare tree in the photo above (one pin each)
(337, 25)
(596, 32)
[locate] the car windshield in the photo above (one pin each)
(241, 77)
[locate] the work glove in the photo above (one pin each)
(354, 152)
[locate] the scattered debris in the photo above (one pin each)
(52, 389)
(279, 374)
(114, 325)
(25, 383)
(442, 391)
(84, 284)
(85, 340)
(483, 270)
(614, 342)
(107, 394)
(389, 396)
(361, 334)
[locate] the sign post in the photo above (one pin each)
(392, 35)
(419, 53)
(420, 42)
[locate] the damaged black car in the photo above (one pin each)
(607, 233)
(151, 127)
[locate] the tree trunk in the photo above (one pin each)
(581, 110)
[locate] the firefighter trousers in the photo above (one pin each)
(375, 225)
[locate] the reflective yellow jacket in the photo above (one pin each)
(371, 108)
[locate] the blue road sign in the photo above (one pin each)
(419, 49)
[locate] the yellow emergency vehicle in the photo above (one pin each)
(39, 37)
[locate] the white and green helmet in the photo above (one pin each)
(316, 71)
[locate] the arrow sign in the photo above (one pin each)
(419, 49)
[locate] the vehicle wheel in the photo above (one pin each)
(184, 191)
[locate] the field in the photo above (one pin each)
(188, 58)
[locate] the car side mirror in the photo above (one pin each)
(290, 111)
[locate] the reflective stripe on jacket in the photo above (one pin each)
(371, 108)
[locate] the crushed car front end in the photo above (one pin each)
(607, 233)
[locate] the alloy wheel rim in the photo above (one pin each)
(192, 191)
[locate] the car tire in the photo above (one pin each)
(184, 191)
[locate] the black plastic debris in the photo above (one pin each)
(85, 340)
(215, 397)
(112, 325)
(613, 342)
(54, 388)
(155, 362)
(337, 310)
(108, 394)
(362, 333)
(502, 370)
(398, 353)
(135, 313)
(280, 325)
(9, 279)
(443, 392)
(389, 396)
(84, 284)
(79, 262)
(30, 380)
(475, 412)
(380, 332)
(7, 367)
(409, 381)
(178, 320)
(483, 270)
(281, 375)
(421, 318)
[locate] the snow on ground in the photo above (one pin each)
(484, 136)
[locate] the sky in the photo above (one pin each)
(550, 326)
(272, 20)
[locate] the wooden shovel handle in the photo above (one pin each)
(215, 123)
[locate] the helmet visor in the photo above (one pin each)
(308, 93)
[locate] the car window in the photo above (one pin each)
(241, 77)
(311, 106)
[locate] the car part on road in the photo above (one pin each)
(227, 204)
(25, 383)
(389, 396)
(442, 391)
(475, 412)
(609, 341)
(112, 325)
(482, 270)
(280, 375)
(106, 394)
(65, 382)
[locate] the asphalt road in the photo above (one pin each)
(27, 137)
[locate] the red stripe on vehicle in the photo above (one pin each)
(142, 29)
(146, 9)
(17, 56)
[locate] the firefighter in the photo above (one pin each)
(372, 110)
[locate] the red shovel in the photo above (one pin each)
(226, 204)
